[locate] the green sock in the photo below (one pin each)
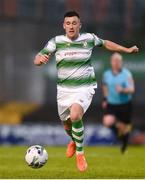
(69, 132)
(78, 135)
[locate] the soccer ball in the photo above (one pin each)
(36, 156)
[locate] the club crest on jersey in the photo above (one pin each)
(85, 45)
(68, 44)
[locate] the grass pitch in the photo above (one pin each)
(103, 162)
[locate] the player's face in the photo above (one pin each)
(116, 63)
(72, 27)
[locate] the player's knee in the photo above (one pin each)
(108, 120)
(122, 127)
(76, 112)
(75, 116)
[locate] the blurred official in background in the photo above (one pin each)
(118, 87)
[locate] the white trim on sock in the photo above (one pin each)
(79, 144)
(78, 137)
(78, 129)
(79, 152)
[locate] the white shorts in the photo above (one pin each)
(66, 97)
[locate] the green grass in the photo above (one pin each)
(104, 162)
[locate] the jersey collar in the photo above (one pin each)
(115, 74)
(71, 39)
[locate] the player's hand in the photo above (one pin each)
(119, 89)
(133, 49)
(41, 59)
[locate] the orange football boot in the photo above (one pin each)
(71, 149)
(81, 162)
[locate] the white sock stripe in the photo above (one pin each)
(78, 130)
(79, 144)
(78, 137)
(80, 152)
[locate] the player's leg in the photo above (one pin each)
(124, 124)
(124, 132)
(64, 114)
(118, 119)
(121, 130)
(76, 114)
(71, 148)
(68, 127)
(109, 120)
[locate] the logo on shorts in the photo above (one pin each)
(81, 100)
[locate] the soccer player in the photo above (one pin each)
(118, 87)
(76, 78)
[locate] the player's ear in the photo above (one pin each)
(80, 25)
(63, 26)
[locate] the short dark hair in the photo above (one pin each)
(71, 14)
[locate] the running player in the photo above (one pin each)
(118, 87)
(76, 78)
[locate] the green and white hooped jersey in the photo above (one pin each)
(73, 59)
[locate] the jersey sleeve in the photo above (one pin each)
(49, 48)
(98, 42)
(129, 80)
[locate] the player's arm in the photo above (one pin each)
(44, 55)
(41, 59)
(105, 91)
(116, 47)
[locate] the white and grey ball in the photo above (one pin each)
(36, 156)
